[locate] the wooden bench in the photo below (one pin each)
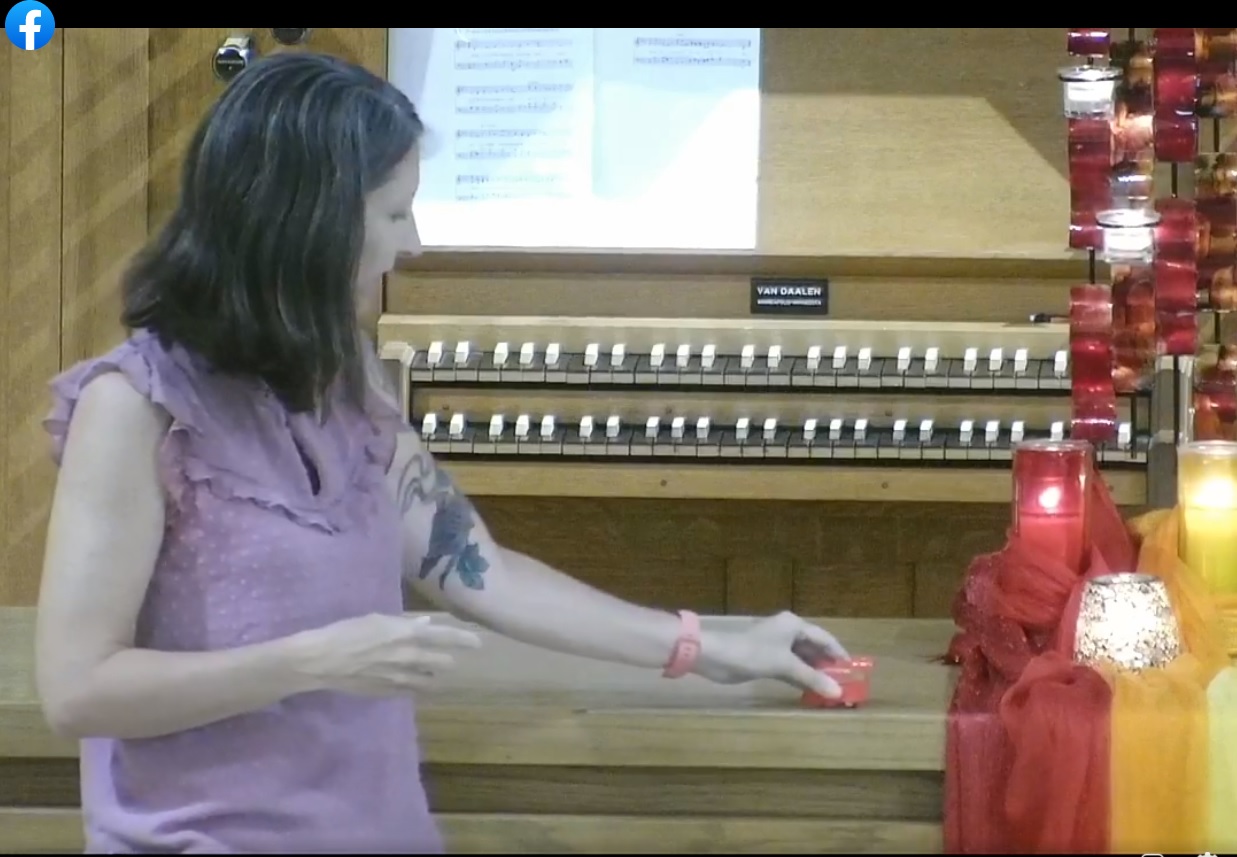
(528, 751)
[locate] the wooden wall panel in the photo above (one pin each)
(610, 287)
(757, 557)
(30, 303)
(918, 141)
(106, 163)
(182, 87)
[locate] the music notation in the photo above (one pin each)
(586, 137)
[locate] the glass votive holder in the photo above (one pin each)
(1089, 91)
(1126, 621)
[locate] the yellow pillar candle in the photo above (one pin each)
(1207, 496)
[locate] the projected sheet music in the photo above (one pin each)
(585, 137)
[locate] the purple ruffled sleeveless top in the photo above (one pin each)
(255, 548)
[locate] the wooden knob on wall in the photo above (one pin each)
(291, 35)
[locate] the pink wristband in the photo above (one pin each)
(686, 647)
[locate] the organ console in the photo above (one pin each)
(711, 393)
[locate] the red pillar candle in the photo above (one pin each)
(1052, 481)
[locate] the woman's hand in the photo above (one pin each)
(379, 655)
(782, 647)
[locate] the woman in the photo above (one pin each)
(238, 501)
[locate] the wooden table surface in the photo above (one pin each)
(526, 751)
(512, 704)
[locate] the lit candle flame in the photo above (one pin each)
(1215, 493)
(1050, 498)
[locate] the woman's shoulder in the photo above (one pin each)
(139, 379)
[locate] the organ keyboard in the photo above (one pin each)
(874, 398)
(613, 364)
(759, 439)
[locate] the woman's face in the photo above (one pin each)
(389, 230)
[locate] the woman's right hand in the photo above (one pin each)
(380, 655)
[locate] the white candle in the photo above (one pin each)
(1129, 234)
(1089, 91)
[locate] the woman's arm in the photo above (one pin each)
(456, 564)
(104, 537)
(459, 567)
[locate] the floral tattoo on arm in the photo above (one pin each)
(452, 549)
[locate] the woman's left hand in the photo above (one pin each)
(782, 647)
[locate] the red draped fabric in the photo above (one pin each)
(1027, 757)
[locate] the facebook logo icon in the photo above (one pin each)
(30, 25)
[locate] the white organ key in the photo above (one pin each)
(683, 356)
(1017, 431)
(992, 432)
(839, 358)
(966, 431)
(813, 358)
(502, 352)
(996, 360)
(456, 427)
(708, 356)
(527, 352)
(429, 425)
(861, 430)
(925, 431)
(774, 358)
(931, 359)
(1060, 364)
(496, 426)
(1021, 359)
(970, 358)
(592, 352)
(617, 355)
(614, 423)
(747, 357)
(809, 430)
(769, 430)
(586, 428)
(899, 431)
(835, 429)
(1057, 431)
(1125, 436)
(904, 359)
(547, 427)
(462, 352)
(865, 359)
(703, 428)
(522, 425)
(552, 352)
(677, 426)
(657, 355)
(434, 356)
(742, 427)
(652, 428)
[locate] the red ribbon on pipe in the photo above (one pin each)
(1176, 276)
(1093, 396)
(1134, 328)
(1090, 154)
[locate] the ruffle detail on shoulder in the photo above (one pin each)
(127, 359)
(201, 447)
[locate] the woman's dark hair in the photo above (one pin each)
(255, 269)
